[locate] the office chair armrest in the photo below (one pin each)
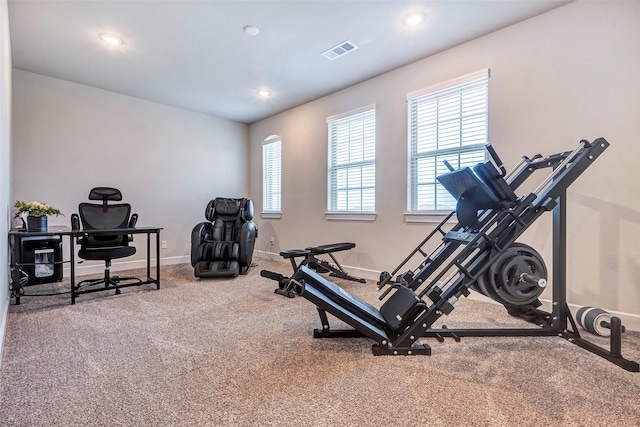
(75, 225)
(133, 220)
(75, 222)
(132, 224)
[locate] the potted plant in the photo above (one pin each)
(34, 214)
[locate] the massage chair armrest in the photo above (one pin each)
(200, 233)
(248, 234)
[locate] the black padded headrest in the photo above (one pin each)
(105, 193)
(229, 207)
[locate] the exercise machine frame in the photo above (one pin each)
(466, 252)
(310, 258)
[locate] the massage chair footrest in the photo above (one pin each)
(208, 269)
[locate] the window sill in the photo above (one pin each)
(422, 217)
(350, 216)
(271, 215)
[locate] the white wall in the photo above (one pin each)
(168, 162)
(569, 74)
(5, 164)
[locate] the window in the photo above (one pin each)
(271, 175)
(446, 122)
(352, 156)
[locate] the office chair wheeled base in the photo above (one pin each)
(109, 282)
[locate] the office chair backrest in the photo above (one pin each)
(105, 216)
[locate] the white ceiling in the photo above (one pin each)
(195, 54)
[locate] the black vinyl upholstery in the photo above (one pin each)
(223, 246)
(482, 187)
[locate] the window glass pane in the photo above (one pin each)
(451, 124)
(272, 175)
(351, 170)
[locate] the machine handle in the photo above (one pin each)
(496, 159)
(272, 275)
(448, 165)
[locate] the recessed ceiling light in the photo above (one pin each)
(110, 38)
(414, 19)
(264, 93)
(251, 30)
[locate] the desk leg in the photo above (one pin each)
(72, 268)
(15, 270)
(148, 256)
(157, 259)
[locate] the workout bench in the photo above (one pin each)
(312, 261)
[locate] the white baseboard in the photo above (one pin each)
(630, 321)
(3, 326)
(97, 267)
(268, 255)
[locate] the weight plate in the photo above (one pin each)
(514, 291)
(502, 281)
(485, 285)
(476, 287)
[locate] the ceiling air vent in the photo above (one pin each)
(339, 50)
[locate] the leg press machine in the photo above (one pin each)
(479, 252)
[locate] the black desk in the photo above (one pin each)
(16, 235)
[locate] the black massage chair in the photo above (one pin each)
(223, 246)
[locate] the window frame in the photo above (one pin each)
(269, 179)
(365, 163)
(433, 94)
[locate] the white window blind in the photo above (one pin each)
(271, 174)
(446, 122)
(352, 155)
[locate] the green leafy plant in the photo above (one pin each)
(35, 209)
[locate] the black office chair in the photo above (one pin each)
(224, 246)
(105, 216)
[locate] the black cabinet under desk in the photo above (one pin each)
(40, 259)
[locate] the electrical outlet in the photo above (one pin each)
(272, 241)
(163, 245)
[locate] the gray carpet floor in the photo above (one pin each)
(230, 352)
